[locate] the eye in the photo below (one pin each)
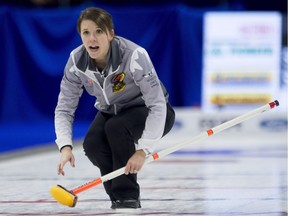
(85, 32)
(99, 31)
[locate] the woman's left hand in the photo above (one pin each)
(136, 162)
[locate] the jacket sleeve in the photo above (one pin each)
(146, 78)
(68, 99)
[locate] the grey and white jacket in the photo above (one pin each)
(129, 79)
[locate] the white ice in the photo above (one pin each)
(215, 177)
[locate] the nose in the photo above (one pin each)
(93, 37)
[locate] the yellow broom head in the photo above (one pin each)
(63, 196)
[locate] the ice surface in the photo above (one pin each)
(226, 178)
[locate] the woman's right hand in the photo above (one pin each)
(66, 155)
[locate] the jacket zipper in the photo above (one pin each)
(115, 109)
(104, 93)
(103, 89)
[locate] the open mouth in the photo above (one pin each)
(94, 48)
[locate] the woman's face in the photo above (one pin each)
(95, 40)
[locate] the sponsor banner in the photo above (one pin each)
(190, 122)
(240, 77)
(241, 65)
(283, 97)
(238, 99)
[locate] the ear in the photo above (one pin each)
(111, 34)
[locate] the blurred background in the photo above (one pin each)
(217, 58)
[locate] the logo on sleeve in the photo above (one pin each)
(118, 82)
(89, 82)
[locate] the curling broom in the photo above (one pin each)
(69, 198)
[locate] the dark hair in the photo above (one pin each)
(99, 16)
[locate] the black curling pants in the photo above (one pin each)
(110, 142)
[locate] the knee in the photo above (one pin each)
(90, 151)
(88, 144)
(93, 139)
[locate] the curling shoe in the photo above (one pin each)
(122, 204)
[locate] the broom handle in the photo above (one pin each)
(172, 149)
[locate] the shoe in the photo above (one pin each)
(113, 204)
(131, 203)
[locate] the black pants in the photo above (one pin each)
(110, 142)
